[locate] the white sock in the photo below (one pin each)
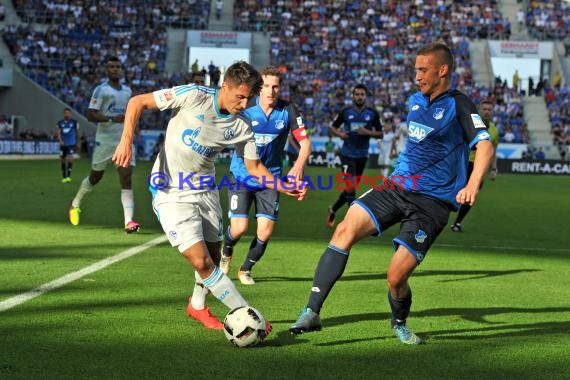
(385, 172)
(84, 188)
(224, 289)
(128, 201)
(199, 294)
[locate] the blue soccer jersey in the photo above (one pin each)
(440, 135)
(68, 131)
(356, 146)
(270, 132)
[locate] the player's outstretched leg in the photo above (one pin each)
(330, 268)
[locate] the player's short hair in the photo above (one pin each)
(242, 72)
(271, 71)
(486, 101)
(112, 58)
(67, 109)
(442, 52)
(360, 86)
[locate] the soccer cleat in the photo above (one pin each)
(132, 226)
(456, 227)
(268, 329)
(245, 277)
(330, 218)
(225, 262)
(204, 316)
(406, 336)
(307, 321)
(64, 180)
(73, 213)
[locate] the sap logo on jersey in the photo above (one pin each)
(417, 132)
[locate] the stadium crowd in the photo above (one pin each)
(548, 19)
(332, 45)
(333, 49)
(66, 59)
(558, 103)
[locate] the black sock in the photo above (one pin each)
(69, 167)
(256, 251)
(400, 308)
(330, 268)
(63, 171)
(350, 197)
(339, 202)
(229, 243)
(463, 210)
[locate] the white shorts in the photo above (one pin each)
(197, 218)
(103, 153)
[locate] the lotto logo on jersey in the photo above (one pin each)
(417, 132)
(477, 121)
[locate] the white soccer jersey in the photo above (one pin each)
(385, 144)
(195, 135)
(110, 102)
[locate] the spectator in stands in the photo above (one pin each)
(516, 80)
(539, 155)
(6, 130)
(567, 45)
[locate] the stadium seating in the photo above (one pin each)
(336, 44)
(66, 59)
(548, 19)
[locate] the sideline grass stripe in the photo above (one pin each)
(24, 297)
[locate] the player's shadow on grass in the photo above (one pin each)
(478, 315)
(461, 275)
(518, 330)
(284, 338)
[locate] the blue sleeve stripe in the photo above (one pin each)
(339, 250)
(482, 135)
(376, 224)
(182, 89)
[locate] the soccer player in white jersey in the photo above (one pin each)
(107, 109)
(185, 199)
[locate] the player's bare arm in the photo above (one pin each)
(292, 189)
(135, 107)
(297, 171)
(338, 133)
(483, 158)
(367, 132)
(96, 116)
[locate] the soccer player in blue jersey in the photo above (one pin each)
(107, 109)
(359, 123)
(67, 129)
(443, 125)
(273, 119)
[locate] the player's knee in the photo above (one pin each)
(238, 230)
(344, 234)
(396, 280)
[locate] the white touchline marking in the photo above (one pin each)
(24, 297)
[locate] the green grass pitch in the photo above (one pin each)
(493, 302)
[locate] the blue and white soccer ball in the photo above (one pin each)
(244, 326)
